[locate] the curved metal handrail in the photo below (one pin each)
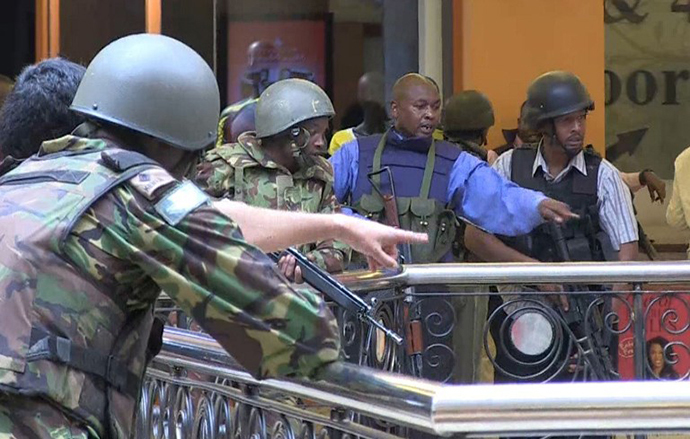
(519, 273)
(620, 407)
(515, 273)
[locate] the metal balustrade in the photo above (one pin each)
(194, 388)
(612, 319)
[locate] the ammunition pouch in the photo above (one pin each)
(418, 215)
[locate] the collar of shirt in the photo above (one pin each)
(71, 143)
(577, 162)
(398, 139)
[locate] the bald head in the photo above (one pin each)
(370, 87)
(405, 85)
(416, 105)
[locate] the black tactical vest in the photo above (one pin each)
(584, 237)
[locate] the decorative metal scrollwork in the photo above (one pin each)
(440, 359)
(437, 314)
(531, 341)
(282, 429)
(351, 336)
(224, 418)
(204, 426)
(162, 412)
(307, 431)
(257, 424)
(184, 413)
(670, 319)
(381, 349)
(144, 415)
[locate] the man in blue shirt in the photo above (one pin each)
(434, 182)
(475, 192)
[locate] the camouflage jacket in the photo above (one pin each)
(85, 252)
(242, 172)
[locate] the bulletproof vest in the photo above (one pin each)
(87, 355)
(585, 240)
(417, 173)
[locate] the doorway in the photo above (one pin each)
(17, 36)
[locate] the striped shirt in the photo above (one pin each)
(616, 209)
(678, 212)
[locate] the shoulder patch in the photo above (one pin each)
(180, 202)
(151, 180)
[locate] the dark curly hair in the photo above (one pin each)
(37, 108)
(667, 372)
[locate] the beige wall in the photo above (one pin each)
(500, 46)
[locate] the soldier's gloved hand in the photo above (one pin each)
(552, 210)
(655, 185)
(376, 241)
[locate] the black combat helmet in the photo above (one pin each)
(469, 110)
(555, 94)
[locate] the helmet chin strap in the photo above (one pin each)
(555, 141)
(301, 157)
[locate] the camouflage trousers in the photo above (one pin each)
(29, 418)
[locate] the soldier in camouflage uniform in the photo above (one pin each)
(278, 166)
(96, 224)
(467, 117)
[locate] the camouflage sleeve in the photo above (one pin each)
(215, 176)
(332, 256)
(203, 263)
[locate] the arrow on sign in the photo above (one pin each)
(627, 143)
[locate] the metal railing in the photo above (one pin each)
(519, 273)
(194, 390)
(431, 297)
(368, 403)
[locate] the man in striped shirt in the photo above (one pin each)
(560, 167)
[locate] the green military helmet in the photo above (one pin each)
(555, 94)
(154, 85)
(469, 110)
(286, 103)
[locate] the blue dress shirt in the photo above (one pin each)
(478, 194)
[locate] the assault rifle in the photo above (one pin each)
(413, 328)
(596, 352)
(336, 291)
(390, 208)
